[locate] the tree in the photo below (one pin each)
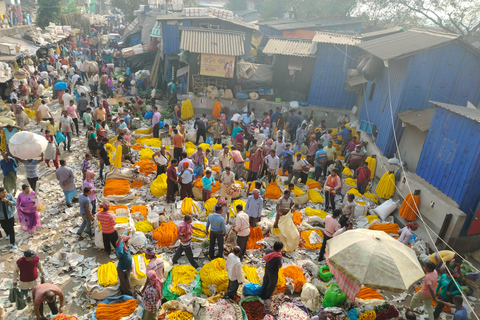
(454, 16)
(307, 9)
(128, 7)
(48, 11)
(236, 5)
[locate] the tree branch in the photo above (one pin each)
(437, 20)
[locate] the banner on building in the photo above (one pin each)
(156, 31)
(217, 66)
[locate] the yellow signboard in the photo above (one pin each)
(217, 66)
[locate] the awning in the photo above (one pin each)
(210, 41)
(421, 119)
(355, 81)
(291, 47)
(26, 46)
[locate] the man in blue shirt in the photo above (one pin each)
(460, 312)
(254, 207)
(273, 120)
(207, 183)
(286, 156)
(218, 230)
(124, 265)
(246, 119)
(126, 116)
(9, 168)
(320, 159)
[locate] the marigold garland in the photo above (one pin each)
(297, 218)
(296, 274)
(146, 166)
(367, 294)
(369, 315)
(313, 184)
(165, 234)
(273, 191)
(137, 184)
(116, 311)
(116, 187)
(182, 274)
(139, 208)
(386, 227)
(256, 234)
(180, 315)
(306, 238)
(214, 273)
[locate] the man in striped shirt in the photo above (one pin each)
(107, 221)
(31, 171)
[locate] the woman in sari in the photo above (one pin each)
(27, 210)
(51, 153)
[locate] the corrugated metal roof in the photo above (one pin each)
(211, 41)
(182, 16)
(336, 38)
(470, 113)
(422, 119)
(288, 24)
(406, 43)
(381, 33)
(291, 47)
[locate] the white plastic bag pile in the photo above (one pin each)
(27, 145)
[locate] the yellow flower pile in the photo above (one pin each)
(368, 315)
(373, 197)
(214, 273)
(199, 234)
(144, 226)
(209, 205)
(180, 315)
(251, 274)
(189, 207)
(297, 191)
(315, 196)
(313, 212)
(346, 171)
(306, 238)
(351, 182)
(355, 192)
(182, 274)
(386, 186)
(107, 274)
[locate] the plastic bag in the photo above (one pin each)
(27, 145)
(289, 234)
(59, 137)
(252, 289)
(15, 296)
(99, 238)
(138, 239)
(325, 274)
(334, 297)
(310, 296)
(148, 115)
(385, 209)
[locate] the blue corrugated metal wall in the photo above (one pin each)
(328, 81)
(446, 74)
(377, 110)
(450, 158)
(171, 37)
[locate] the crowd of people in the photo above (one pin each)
(273, 144)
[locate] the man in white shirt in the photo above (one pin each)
(186, 178)
(228, 177)
(224, 159)
(66, 98)
(273, 165)
(279, 146)
(296, 170)
(261, 138)
(242, 227)
(348, 226)
(44, 111)
(234, 272)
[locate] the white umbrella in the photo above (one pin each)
(374, 259)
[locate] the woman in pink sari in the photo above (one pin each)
(27, 210)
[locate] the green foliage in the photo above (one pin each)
(71, 7)
(128, 7)
(236, 5)
(307, 9)
(48, 11)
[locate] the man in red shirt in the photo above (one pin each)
(185, 231)
(363, 177)
(172, 181)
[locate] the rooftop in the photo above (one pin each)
(406, 43)
(337, 38)
(212, 41)
(287, 24)
(421, 119)
(471, 113)
(209, 16)
(290, 47)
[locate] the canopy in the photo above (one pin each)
(374, 259)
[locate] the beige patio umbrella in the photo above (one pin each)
(374, 259)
